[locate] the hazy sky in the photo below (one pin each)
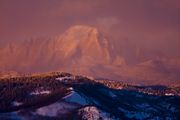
(152, 23)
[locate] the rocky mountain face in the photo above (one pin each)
(80, 45)
(85, 50)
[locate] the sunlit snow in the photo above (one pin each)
(39, 92)
(55, 109)
(93, 113)
(16, 103)
(64, 78)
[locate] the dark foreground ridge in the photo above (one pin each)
(63, 96)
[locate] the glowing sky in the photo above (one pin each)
(149, 23)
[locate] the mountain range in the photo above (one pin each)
(86, 50)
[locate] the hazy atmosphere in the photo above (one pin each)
(152, 24)
(89, 59)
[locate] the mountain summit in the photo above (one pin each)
(86, 44)
(78, 46)
(85, 50)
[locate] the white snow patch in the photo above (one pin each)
(16, 103)
(93, 113)
(89, 77)
(55, 109)
(70, 88)
(120, 88)
(169, 94)
(149, 93)
(39, 92)
(64, 78)
(74, 97)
